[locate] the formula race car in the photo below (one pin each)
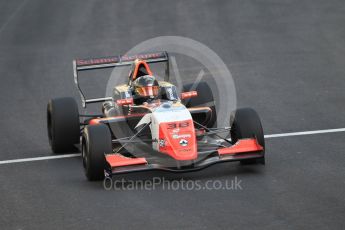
(147, 124)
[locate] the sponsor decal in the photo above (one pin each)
(185, 150)
(125, 58)
(171, 93)
(117, 59)
(184, 124)
(162, 142)
(183, 142)
(178, 125)
(97, 61)
(127, 95)
(177, 136)
(176, 130)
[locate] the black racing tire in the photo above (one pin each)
(96, 142)
(204, 98)
(245, 123)
(63, 125)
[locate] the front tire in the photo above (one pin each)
(97, 141)
(63, 124)
(245, 123)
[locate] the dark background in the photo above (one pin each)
(287, 59)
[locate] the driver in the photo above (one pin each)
(145, 89)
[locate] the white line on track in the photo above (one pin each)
(39, 158)
(305, 133)
(13, 15)
(266, 137)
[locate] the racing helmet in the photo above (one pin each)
(146, 87)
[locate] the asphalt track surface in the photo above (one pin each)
(288, 62)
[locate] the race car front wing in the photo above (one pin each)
(242, 150)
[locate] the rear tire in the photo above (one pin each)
(204, 98)
(63, 124)
(245, 123)
(96, 142)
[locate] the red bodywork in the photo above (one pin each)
(97, 121)
(189, 94)
(138, 64)
(117, 160)
(241, 146)
(126, 101)
(178, 140)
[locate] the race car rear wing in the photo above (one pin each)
(111, 62)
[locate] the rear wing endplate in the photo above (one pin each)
(111, 62)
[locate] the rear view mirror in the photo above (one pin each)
(126, 101)
(189, 94)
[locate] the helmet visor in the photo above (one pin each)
(147, 91)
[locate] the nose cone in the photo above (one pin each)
(178, 139)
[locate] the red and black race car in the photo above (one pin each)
(147, 125)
